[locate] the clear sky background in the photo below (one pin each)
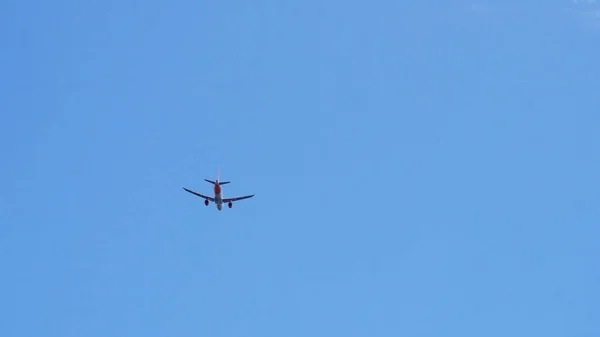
(420, 168)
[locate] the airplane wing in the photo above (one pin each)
(237, 198)
(200, 195)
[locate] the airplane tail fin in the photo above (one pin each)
(218, 176)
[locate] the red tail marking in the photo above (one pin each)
(217, 186)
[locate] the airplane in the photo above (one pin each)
(218, 198)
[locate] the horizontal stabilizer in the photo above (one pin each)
(220, 182)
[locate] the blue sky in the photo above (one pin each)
(420, 169)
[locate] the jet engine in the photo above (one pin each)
(230, 204)
(206, 202)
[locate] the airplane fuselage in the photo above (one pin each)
(218, 197)
(219, 201)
